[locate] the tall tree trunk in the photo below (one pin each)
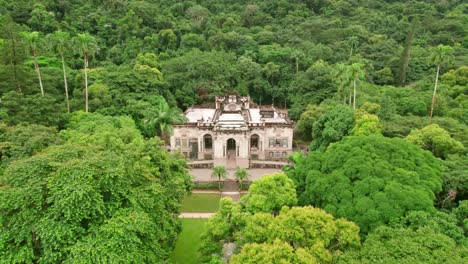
(65, 83)
(350, 99)
(435, 91)
(38, 72)
(354, 96)
(343, 94)
(405, 55)
(86, 81)
(219, 183)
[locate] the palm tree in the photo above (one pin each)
(356, 71)
(219, 172)
(33, 40)
(86, 46)
(241, 174)
(162, 117)
(342, 77)
(59, 42)
(296, 55)
(353, 43)
(441, 55)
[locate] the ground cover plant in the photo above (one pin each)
(200, 202)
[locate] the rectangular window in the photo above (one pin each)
(270, 154)
(278, 142)
(277, 155)
(177, 142)
(272, 142)
(184, 142)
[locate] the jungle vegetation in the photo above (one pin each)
(89, 91)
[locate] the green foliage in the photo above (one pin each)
(288, 53)
(357, 73)
(312, 235)
(161, 118)
(200, 202)
(440, 222)
(219, 230)
(23, 109)
(442, 54)
(196, 77)
(193, 41)
(458, 77)
(400, 245)
(186, 249)
(23, 141)
(331, 127)
(455, 183)
(304, 228)
(365, 124)
(311, 87)
(85, 45)
(437, 140)
(460, 214)
(269, 194)
(219, 172)
(113, 133)
(371, 180)
(307, 119)
(276, 252)
(241, 175)
(106, 195)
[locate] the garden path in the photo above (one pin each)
(205, 174)
(196, 215)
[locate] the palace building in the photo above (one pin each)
(234, 133)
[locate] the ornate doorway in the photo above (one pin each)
(231, 153)
(231, 148)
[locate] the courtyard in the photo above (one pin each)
(197, 207)
(205, 174)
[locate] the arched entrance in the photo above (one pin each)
(231, 153)
(231, 148)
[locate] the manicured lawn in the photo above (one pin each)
(188, 242)
(200, 203)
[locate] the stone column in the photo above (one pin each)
(200, 149)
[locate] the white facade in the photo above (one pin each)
(233, 134)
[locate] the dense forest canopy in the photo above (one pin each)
(279, 52)
(86, 85)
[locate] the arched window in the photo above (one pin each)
(231, 144)
(254, 139)
(208, 141)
